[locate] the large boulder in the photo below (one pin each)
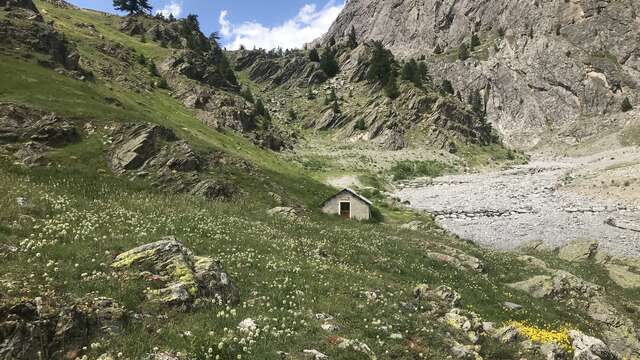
(624, 276)
(186, 277)
(578, 250)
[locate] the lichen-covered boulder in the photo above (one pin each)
(578, 250)
(185, 277)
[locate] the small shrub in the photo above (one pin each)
(247, 94)
(447, 87)
(376, 215)
(141, 59)
(408, 169)
(360, 125)
(162, 84)
(463, 52)
(153, 70)
(313, 55)
(391, 89)
(626, 105)
(475, 41)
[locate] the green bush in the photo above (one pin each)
(376, 215)
(408, 169)
(360, 125)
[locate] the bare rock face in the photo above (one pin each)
(33, 330)
(142, 149)
(186, 277)
(291, 69)
(540, 65)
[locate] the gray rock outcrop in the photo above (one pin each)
(35, 330)
(28, 135)
(147, 150)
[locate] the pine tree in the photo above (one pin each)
(626, 105)
(313, 55)
(447, 88)
(437, 50)
(133, 7)
(381, 64)
(463, 52)
(328, 63)
(332, 41)
(360, 125)
(353, 41)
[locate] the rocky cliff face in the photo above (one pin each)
(541, 65)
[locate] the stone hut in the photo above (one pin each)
(348, 204)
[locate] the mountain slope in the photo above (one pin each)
(543, 66)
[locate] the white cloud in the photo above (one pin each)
(309, 24)
(172, 8)
(225, 25)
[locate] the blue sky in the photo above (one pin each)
(252, 23)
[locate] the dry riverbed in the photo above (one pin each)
(551, 200)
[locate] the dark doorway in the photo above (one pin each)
(345, 210)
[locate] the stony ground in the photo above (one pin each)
(554, 201)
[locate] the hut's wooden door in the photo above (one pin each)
(345, 210)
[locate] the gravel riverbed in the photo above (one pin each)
(507, 209)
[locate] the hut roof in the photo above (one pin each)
(352, 192)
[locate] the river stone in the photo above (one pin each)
(578, 250)
(186, 277)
